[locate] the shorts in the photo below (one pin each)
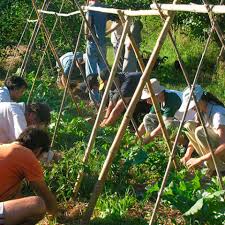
(1, 213)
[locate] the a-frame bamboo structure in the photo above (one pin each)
(168, 16)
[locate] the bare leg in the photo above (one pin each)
(24, 211)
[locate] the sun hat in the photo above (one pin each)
(198, 92)
(157, 88)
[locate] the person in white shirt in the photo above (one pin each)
(213, 112)
(13, 89)
(15, 117)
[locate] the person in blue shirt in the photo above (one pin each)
(94, 65)
(67, 61)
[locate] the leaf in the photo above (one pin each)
(195, 208)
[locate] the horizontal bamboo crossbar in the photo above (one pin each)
(59, 14)
(216, 9)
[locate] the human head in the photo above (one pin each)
(16, 86)
(157, 88)
(38, 114)
(35, 139)
(198, 92)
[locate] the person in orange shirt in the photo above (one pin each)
(19, 161)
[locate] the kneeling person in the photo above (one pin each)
(127, 82)
(19, 161)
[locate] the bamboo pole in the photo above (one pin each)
(19, 42)
(220, 55)
(46, 32)
(43, 55)
(215, 23)
(217, 9)
(101, 108)
(32, 40)
(116, 143)
(58, 13)
(194, 8)
(153, 97)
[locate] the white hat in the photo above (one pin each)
(157, 88)
(198, 92)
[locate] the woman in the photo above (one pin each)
(213, 112)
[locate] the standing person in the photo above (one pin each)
(213, 112)
(116, 31)
(127, 82)
(13, 89)
(95, 65)
(19, 161)
(15, 117)
(130, 62)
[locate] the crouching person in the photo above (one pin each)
(19, 161)
(213, 112)
(169, 101)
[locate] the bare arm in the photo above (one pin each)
(188, 153)
(43, 191)
(115, 113)
(86, 29)
(113, 28)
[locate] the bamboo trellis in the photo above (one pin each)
(167, 13)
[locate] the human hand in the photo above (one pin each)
(193, 162)
(185, 159)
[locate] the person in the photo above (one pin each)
(15, 117)
(18, 162)
(13, 89)
(95, 65)
(66, 61)
(116, 30)
(130, 62)
(170, 101)
(127, 82)
(213, 112)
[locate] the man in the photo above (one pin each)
(170, 102)
(13, 89)
(67, 62)
(94, 64)
(127, 82)
(19, 161)
(15, 117)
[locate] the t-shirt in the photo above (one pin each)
(17, 163)
(215, 115)
(170, 106)
(4, 95)
(12, 121)
(67, 60)
(128, 84)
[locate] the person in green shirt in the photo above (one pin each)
(170, 102)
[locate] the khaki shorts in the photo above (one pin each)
(1, 213)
